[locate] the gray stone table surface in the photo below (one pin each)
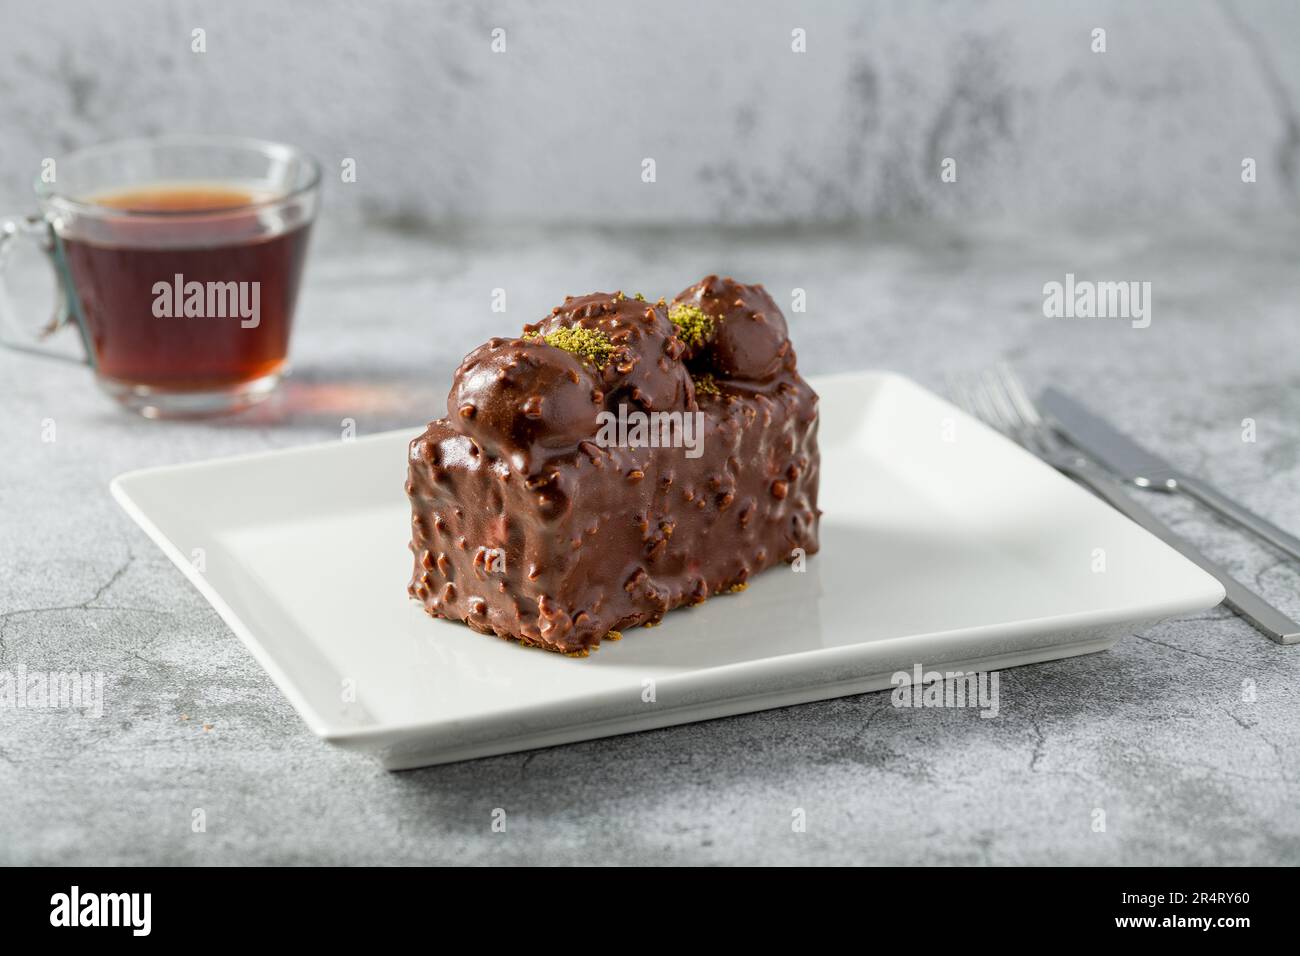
(1185, 734)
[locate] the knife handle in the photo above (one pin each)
(1275, 625)
(1240, 515)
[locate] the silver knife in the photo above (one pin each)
(1134, 463)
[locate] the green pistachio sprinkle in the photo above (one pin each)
(706, 384)
(694, 325)
(639, 297)
(590, 345)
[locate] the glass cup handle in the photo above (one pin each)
(13, 332)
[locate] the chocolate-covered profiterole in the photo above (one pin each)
(742, 332)
(620, 459)
(520, 399)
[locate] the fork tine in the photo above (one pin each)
(960, 393)
(1029, 429)
(985, 410)
(1015, 390)
(971, 396)
(997, 397)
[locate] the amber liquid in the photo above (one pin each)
(115, 277)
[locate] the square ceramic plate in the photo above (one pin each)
(943, 544)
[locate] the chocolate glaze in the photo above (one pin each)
(525, 525)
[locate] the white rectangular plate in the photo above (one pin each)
(943, 544)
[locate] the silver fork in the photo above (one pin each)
(998, 398)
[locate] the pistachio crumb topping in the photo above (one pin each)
(590, 345)
(694, 325)
(706, 384)
(640, 297)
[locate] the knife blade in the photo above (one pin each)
(1106, 443)
(1126, 458)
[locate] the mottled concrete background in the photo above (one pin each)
(742, 129)
(1123, 166)
(1185, 734)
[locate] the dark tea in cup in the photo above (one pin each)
(195, 295)
(179, 259)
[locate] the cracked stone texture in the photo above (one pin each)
(742, 129)
(1159, 733)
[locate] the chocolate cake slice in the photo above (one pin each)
(619, 459)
